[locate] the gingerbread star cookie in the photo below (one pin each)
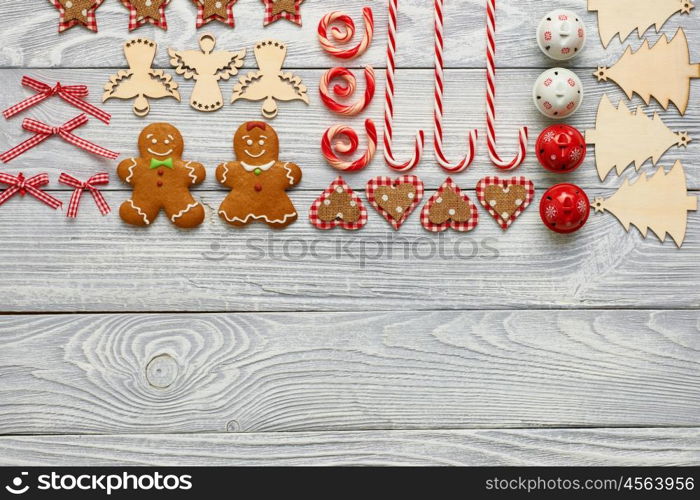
(282, 9)
(74, 12)
(505, 199)
(338, 206)
(396, 199)
(146, 11)
(215, 10)
(449, 208)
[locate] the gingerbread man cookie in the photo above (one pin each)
(161, 179)
(258, 179)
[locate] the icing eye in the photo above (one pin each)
(261, 142)
(249, 142)
(166, 141)
(154, 141)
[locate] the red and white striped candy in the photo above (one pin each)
(491, 98)
(346, 90)
(342, 30)
(332, 142)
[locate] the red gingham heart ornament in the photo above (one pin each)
(382, 191)
(504, 203)
(439, 197)
(339, 187)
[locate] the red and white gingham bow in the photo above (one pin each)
(43, 132)
(72, 94)
(27, 186)
(80, 186)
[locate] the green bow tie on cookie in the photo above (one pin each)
(161, 163)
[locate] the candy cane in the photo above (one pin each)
(438, 111)
(491, 97)
(345, 33)
(389, 101)
(333, 134)
(346, 90)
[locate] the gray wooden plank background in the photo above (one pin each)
(482, 349)
(544, 447)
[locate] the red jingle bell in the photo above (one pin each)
(564, 208)
(561, 148)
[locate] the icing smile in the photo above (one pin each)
(257, 155)
(159, 154)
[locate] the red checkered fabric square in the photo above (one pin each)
(136, 20)
(91, 23)
(283, 14)
(340, 186)
(505, 219)
(437, 198)
(377, 182)
(202, 5)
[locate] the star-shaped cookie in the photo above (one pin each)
(282, 9)
(215, 10)
(146, 11)
(74, 12)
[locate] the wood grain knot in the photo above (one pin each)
(161, 371)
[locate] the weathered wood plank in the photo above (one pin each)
(464, 29)
(74, 374)
(543, 447)
(208, 136)
(99, 264)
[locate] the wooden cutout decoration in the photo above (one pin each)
(140, 80)
(622, 137)
(338, 206)
(395, 200)
(660, 203)
(505, 199)
(662, 71)
(450, 208)
(206, 67)
(624, 16)
(270, 83)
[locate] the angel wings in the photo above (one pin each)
(270, 83)
(140, 81)
(206, 67)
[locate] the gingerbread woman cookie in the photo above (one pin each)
(161, 179)
(258, 179)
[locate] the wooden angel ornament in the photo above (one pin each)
(624, 16)
(270, 83)
(660, 203)
(662, 72)
(206, 67)
(140, 81)
(622, 137)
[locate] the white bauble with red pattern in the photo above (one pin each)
(558, 93)
(561, 34)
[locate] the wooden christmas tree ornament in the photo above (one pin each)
(270, 83)
(622, 137)
(140, 81)
(625, 16)
(206, 67)
(662, 71)
(660, 203)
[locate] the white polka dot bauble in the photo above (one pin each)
(558, 93)
(561, 34)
